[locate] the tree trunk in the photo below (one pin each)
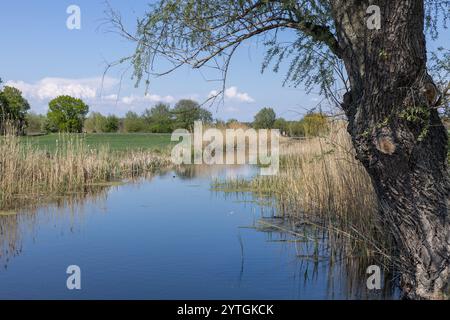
(398, 135)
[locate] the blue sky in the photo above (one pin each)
(42, 57)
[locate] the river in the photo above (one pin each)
(167, 237)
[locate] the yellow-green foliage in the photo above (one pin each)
(312, 125)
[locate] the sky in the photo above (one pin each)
(43, 58)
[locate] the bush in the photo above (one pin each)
(112, 124)
(281, 125)
(159, 119)
(314, 124)
(95, 123)
(133, 123)
(35, 123)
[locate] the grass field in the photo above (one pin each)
(115, 141)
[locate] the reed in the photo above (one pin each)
(28, 174)
(321, 184)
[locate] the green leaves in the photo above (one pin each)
(265, 119)
(14, 108)
(207, 33)
(298, 34)
(186, 112)
(66, 114)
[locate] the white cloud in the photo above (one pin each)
(232, 93)
(49, 88)
(152, 98)
(110, 97)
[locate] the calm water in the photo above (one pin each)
(169, 237)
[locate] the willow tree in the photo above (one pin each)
(390, 98)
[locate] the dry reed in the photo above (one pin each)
(321, 184)
(28, 174)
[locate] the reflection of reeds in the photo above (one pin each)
(70, 206)
(315, 246)
(320, 183)
(346, 274)
(28, 173)
(14, 226)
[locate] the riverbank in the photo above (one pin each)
(30, 173)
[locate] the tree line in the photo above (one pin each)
(69, 114)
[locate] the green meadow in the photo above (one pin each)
(115, 141)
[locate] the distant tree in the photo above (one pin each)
(265, 119)
(295, 129)
(187, 112)
(218, 123)
(14, 108)
(206, 116)
(35, 123)
(95, 123)
(314, 124)
(281, 125)
(3, 114)
(112, 124)
(236, 124)
(3, 111)
(133, 123)
(66, 114)
(159, 119)
(231, 122)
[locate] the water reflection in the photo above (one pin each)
(316, 257)
(17, 223)
(169, 236)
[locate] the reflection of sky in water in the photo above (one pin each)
(169, 238)
(237, 172)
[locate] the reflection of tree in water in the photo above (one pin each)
(318, 250)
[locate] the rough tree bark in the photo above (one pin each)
(398, 135)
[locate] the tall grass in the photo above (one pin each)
(321, 184)
(28, 174)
